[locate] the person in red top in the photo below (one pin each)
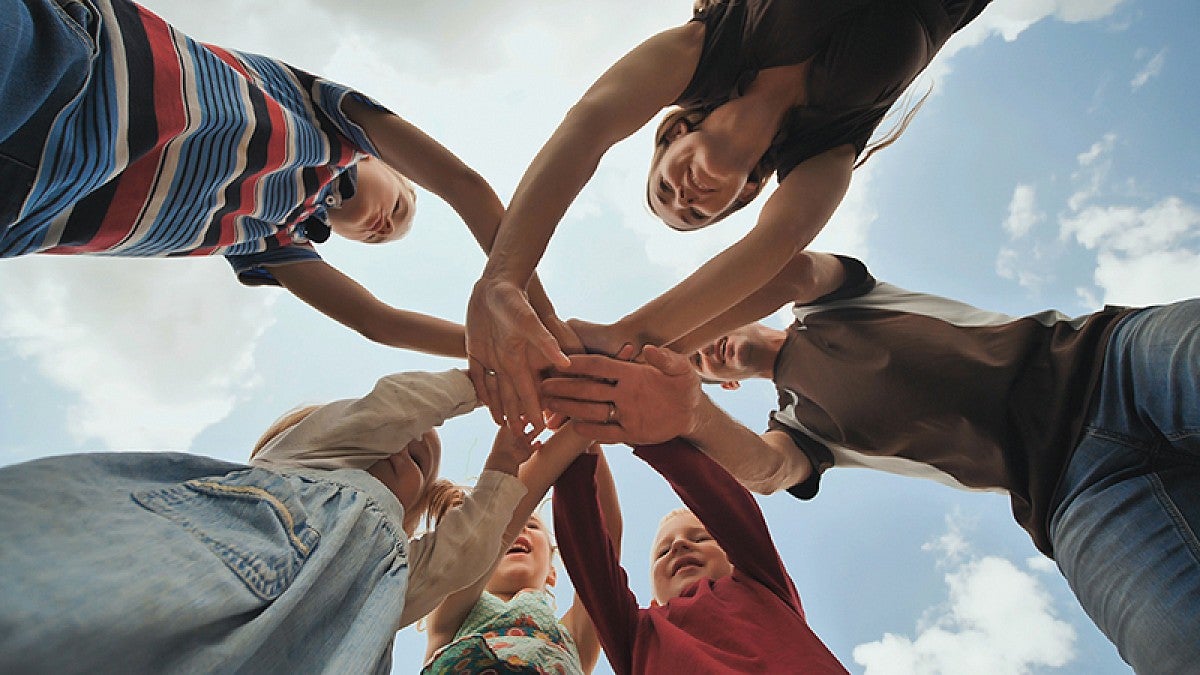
(724, 602)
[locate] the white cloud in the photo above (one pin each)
(1022, 212)
(998, 619)
(1152, 68)
(1134, 231)
(1094, 167)
(1144, 256)
(1010, 18)
(154, 350)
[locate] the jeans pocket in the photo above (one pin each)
(252, 520)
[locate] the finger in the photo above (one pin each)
(666, 360)
(598, 366)
(531, 404)
(555, 420)
(542, 340)
(587, 411)
(577, 388)
(491, 391)
(509, 403)
(475, 372)
(603, 433)
(627, 352)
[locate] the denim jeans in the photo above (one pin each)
(45, 61)
(164, 562)
(1125, 530)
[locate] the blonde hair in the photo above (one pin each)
(441, 496)
(682, 510)
(286, 421)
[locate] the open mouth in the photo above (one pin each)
(723, 350)
(521, 545)
(684, 563)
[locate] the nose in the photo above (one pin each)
(686, 196)
(680, 544)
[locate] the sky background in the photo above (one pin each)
(1053, 166)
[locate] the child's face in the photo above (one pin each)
(409, 473)
(381, 209)
(684, 552)
(528, 563)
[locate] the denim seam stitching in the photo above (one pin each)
(280, 508)
(1185, 532)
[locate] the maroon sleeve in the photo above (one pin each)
(593, 563)
(728, 512)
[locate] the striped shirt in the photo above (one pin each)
(178, 148)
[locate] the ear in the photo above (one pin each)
(730, 384)
(552, 578)
(678, 129)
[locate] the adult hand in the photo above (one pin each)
(614, 401)
(599, 338)
(506, 346)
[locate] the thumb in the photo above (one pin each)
(666, 360)
(543, 341)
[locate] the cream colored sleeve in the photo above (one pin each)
(356, 433)
(462, 547)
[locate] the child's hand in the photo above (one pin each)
(510, 450)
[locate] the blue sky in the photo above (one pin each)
(1053, 166)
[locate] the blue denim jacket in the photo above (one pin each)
(165, 562)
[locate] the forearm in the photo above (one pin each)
(721, 283)
(541, 471)
(418, 332)
(559, 171)
(763, 465)
(806, 277)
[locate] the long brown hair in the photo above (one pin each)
(897, 129)
(692, 117)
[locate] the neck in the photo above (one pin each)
(765, 361)
(746, 125)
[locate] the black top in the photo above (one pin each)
(864, 54)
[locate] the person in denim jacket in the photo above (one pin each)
(303, 561)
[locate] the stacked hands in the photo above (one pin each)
(534, 375)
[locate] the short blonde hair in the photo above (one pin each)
(286, 421)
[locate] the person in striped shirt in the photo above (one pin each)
(121, 136)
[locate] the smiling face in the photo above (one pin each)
(684, 553)
(737, 356)
(528, 563)
(409, 473)
(691, 186)
(381, 209)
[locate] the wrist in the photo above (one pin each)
(702, 418)
(503, 462)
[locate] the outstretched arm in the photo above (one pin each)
(346, 301)
(806, 277)
(661, 399)
(589, 552)
(577, 620)
(793, 215)
(503, 332)
(537, 474)
(431, 165)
